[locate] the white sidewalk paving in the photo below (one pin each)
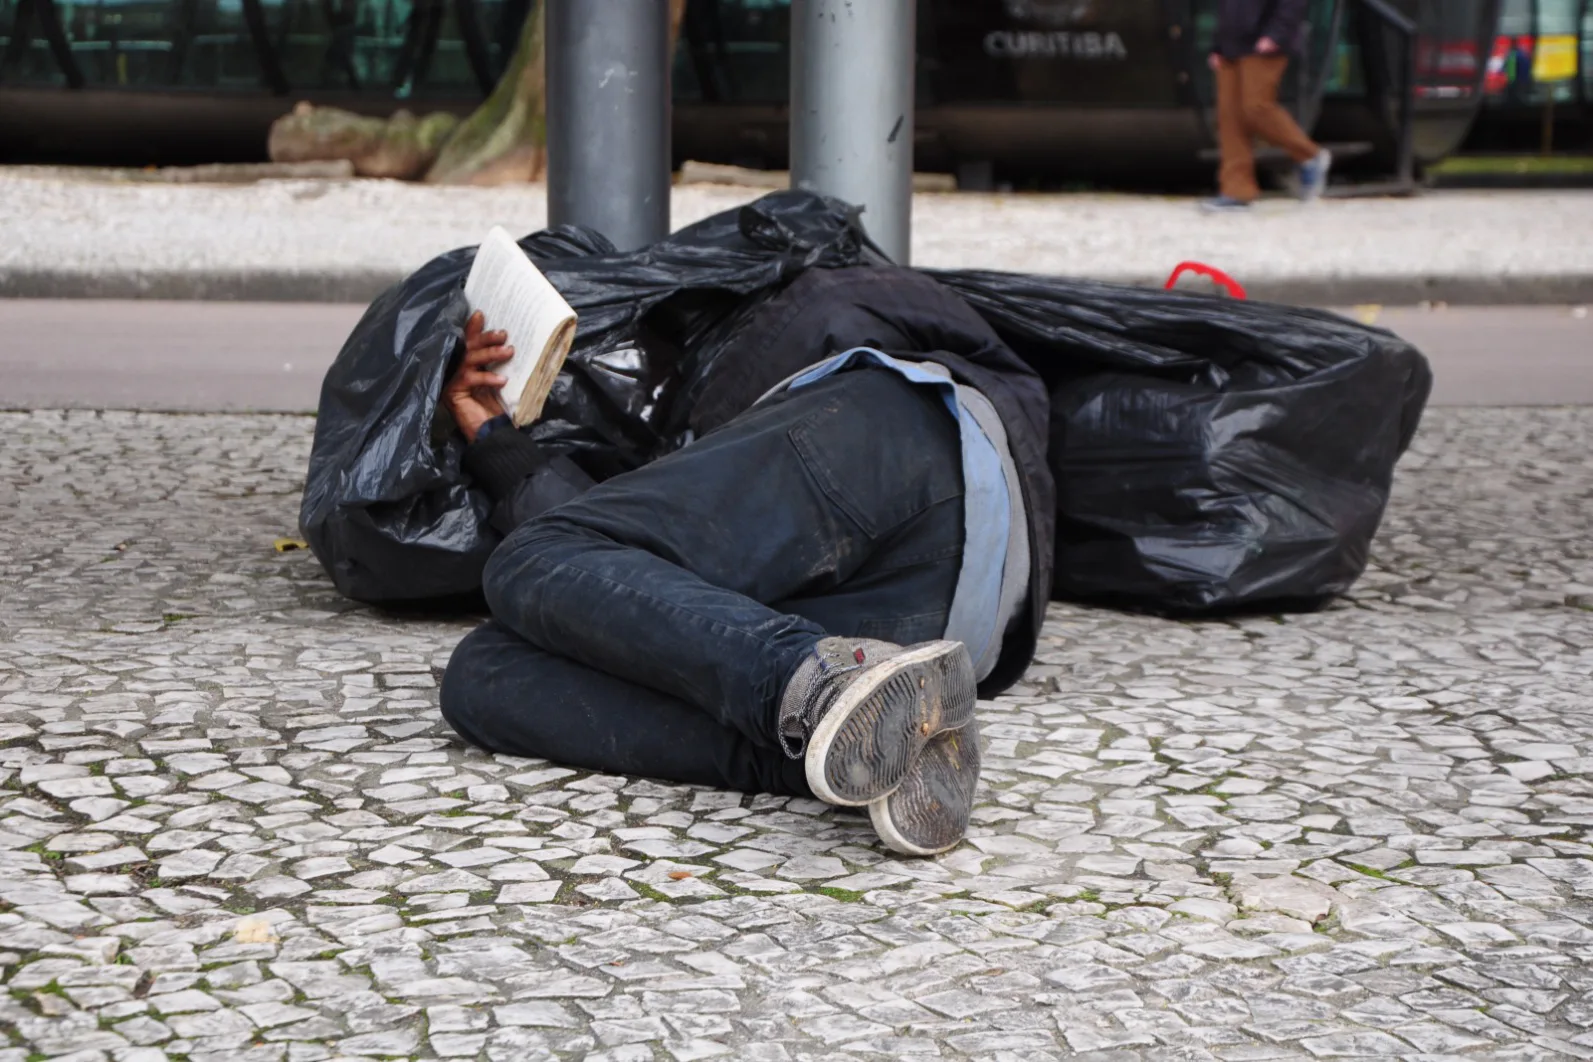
(77, 235)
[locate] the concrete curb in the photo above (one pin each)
(192, 286)
(357, 286)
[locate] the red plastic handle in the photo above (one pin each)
(1215, 275)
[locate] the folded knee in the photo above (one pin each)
(527, 556)
(1257, 114)
(462, 695)
(511, 564)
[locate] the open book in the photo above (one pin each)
(514, 297)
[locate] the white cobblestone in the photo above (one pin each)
(232, 826)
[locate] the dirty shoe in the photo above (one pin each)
(859, 712)
(928, 813)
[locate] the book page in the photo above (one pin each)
(514, 297)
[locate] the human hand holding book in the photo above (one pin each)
(505, 288)
(473, 393)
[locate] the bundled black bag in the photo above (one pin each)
(1208, 453)
(386, 508)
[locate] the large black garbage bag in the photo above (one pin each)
(386, 508)
(1209, 454)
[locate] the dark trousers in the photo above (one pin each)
(649, 626)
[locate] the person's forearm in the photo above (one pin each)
(520, 477)
(500, 461)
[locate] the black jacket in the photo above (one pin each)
(823, 312)
(1241, 23)
(903, 312)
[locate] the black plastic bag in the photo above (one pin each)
(386, 507)
(1209, 453)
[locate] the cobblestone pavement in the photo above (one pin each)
(232, 828)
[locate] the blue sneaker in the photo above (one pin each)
(1312, 177)
(1224, 204)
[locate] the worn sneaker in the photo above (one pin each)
(859, 712)
(1311, 178)
(1224, 204)
(928, 813)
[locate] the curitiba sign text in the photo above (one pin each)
(1055, 44)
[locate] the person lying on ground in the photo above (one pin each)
(805, 600)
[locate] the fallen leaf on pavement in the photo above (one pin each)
(254, 930)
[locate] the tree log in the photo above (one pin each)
(401, 147)
(505, 140)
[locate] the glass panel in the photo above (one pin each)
(216, 51)
(449, 71)
(1321, 42)
(1515, 18)
(500, 22)
(693, 65)
(1587, 53)
(25, 57)
(377, 47)
(1449, 45)
(721, 45)
(138, 44)
(121, 42)
(1510, 61)
(1555, 55)
(1535, 55)
(1346, 72)
(1557, 17)
(753, 42)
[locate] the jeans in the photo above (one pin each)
(649, 626)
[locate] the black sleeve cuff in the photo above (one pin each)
(501, 460)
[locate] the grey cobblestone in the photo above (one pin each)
(233, 827)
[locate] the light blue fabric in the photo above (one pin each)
(977, 617)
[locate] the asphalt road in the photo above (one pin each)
(193, 356)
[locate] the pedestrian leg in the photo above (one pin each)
(1263, 116)
(1237, 174)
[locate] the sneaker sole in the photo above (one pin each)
(928, 813)
(868, 740)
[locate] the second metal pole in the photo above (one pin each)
(852, 109)
(608, 117)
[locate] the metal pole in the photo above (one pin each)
(608, 117)
(852, 109)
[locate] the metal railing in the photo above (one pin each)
(1403, 31)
